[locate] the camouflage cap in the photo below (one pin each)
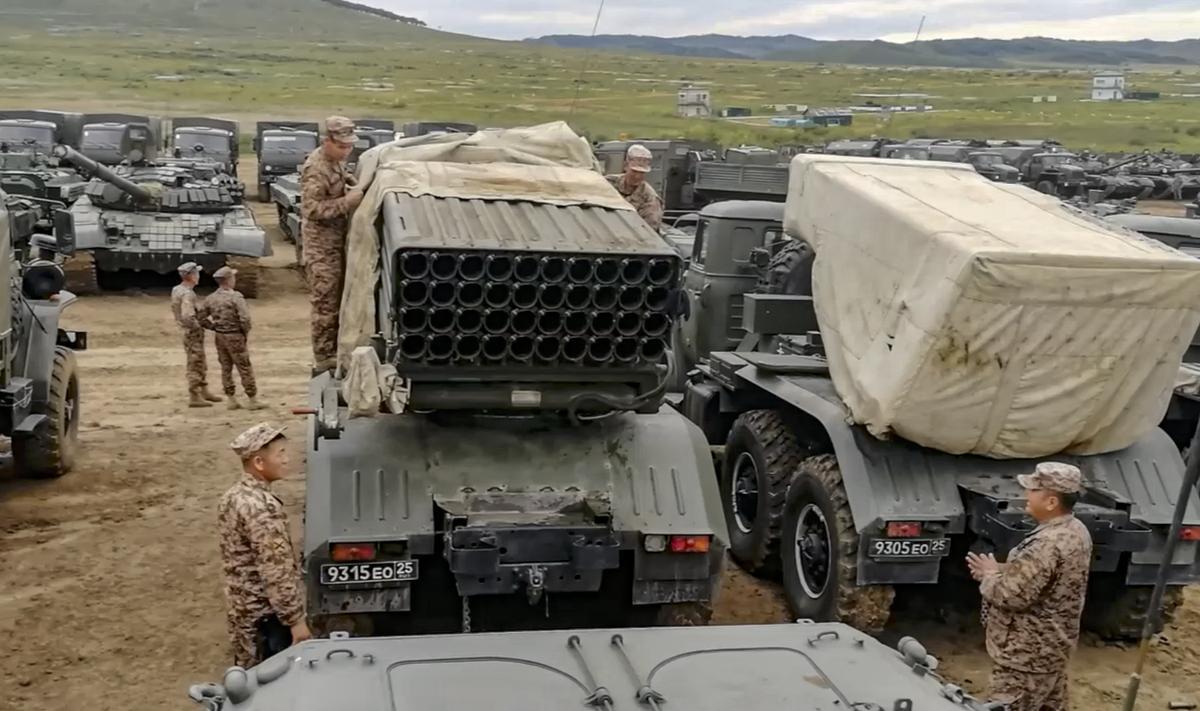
(255, 438)
(1054, 476)
(340, 129)
(189, 267)
(224, 272)
(639, 158)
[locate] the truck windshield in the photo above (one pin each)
(986, 160)
(1058, 161)
(291, 142)
(102, 137)
(187, 140)
(16, 136)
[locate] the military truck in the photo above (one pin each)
(37, 131)
(864, 148)
(103, 137)
(39, 383)
(989, 164)
(903, 151)
(206, 138)
(152, 218)
(716, 181)
(800, 667)
(1054, 174)
(285, 193)
(534, 476)
(842, 517)
(371, 133)
(282, 147)
(424, 128)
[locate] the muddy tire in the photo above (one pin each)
(50, 452)
(1047, 187)
(81, 274)
(248, 272)
(1117, 613)
(819, 553)
(790, 270)
(684, 614)
(761, 456)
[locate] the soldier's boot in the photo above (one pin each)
(252, 403)
(208, 395)
(197, 400)
(233, 404)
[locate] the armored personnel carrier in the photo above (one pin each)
(800, 667)
(145, 217)
(535, 476)
(281, 147)
(39, 385)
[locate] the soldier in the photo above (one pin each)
(183, 305)
(1177, 186)
(325, 206)
(633, 186)
(225, 313)
(263, 594)
(1032, 603)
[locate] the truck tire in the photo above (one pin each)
(819, 553)
(1116, 612)
(50, 451)
(248, 272)
(80, 271)
(790, 270)
(761, 456)
(1047, 187)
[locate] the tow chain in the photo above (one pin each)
(466, 614)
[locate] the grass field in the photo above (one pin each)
(311, 60)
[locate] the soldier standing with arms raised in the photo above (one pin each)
(263, 593)
(225, 313)
(327, 198)
(633, 186)
(1032, 603)
(183, 306)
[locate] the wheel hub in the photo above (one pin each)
(812, 550)
(743, 494)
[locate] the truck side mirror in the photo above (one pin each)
(760, 257)
(64, 232)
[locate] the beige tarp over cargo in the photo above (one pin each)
(545, 164)
(973, 317)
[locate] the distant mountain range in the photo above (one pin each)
(1029, 51)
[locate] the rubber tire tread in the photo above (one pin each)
(52, 453)
(248, 273)
(1124, 613)
(758, 551)
(866, 608)
(786, 271)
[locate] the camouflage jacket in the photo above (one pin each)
(1032, 606)
(262, 573)
(644, 199)
(224, 311)
(183, 305)
(323, 192)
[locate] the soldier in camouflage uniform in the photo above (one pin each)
(263, 592)
(325, 206)
(224, 312)
(1032, 603)
(183, 306)
(633, 186)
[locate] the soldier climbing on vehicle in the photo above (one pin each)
(633, 186)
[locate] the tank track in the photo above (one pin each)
(81, 274)
(248, 272)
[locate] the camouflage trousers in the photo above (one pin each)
(325, 266)
(1029, 691)
(243, 637)
(232, 351)
(197, 362)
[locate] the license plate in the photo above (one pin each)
(380, 572)
(908, 547)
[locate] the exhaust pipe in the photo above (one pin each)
(553, 269)
(442, 293)
(441, 320)
(629, 324)
(580, 270)
(658, 298)
(603, 323)
(576, 323)
(524, 322)
(626, 350)
(600, 350)
(470, 267)
(660, 272)
(413, 320)
(632, 298)
(495, 347)
(469, 321)
(652, 349)
(414, 293)
(521, 348)
(551, 296)
(496, 321)
(414, 265)
(549, 348)
(575, 349)
(497, 295)
(656, 324)
(526, 268)
(499, 267)
(608, 271)
(525, 296)
(579, 296)
(441, 347)
(413, 347)
(443, 266)
(470, 294)
(633, 271)
(604, 297)
(467, 348)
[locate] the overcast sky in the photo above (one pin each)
(894, 20)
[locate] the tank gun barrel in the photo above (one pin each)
(74, 157)
(1121, 164)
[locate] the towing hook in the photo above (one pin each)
(535, 584)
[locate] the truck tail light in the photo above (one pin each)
(1189, 533)
(903, 529)
(350, 552)
(689, 544)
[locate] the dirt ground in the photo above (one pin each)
(110, 594)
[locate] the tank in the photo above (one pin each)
(535, 477)
(151, 218)
(801, 667)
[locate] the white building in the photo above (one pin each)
(694, 102)
(1109, 86)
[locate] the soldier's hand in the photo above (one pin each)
(300, 632)
(353, 198)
